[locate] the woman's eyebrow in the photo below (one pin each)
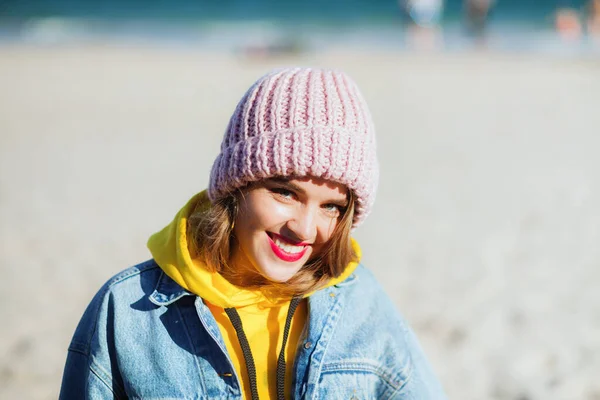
(291, 186)
(340, 202)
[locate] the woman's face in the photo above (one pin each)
(283, 223)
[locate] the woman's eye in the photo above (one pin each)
(334, 209)
(283, 192)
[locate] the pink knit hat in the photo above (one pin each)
(300, 122)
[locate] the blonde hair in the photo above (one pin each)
(210, 240)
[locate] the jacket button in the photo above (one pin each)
(307, 345)
(331, 294)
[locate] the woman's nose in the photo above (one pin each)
(304, 224)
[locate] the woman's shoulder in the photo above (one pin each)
(366, 275)
(362, 285)
(123, 292)
(365, 302)
(132, 282)
(362, 299)
(147, 270)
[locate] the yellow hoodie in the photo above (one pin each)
(263, 318)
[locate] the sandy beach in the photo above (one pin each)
(485, 230)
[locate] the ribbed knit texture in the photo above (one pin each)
(300, 122)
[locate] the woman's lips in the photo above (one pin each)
(283, 254)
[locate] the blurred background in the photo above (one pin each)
(486, 228)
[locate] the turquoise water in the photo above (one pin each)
(277, 10)
(277, 25)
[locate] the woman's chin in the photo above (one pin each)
(278, 278)
(279, 271)
(279, 275)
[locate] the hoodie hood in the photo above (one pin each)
(169, 248)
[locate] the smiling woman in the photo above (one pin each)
(304, 222)
(255, 288)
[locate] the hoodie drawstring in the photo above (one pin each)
(234, 317)
(239, 329)
(281, 361)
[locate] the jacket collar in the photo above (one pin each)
(167, 291)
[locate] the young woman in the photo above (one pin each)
(255, 288)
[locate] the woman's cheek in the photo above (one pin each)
(326, 226)
(280, 212)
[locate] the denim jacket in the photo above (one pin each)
(145, 337)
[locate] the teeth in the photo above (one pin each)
(288, 248)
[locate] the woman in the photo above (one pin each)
(255, 289)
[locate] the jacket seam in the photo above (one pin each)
(357, 366)
(409, 375)
(97, 374)
(136, 270)
(398, 390)
(79, 351)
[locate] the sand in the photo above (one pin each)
(485, 232)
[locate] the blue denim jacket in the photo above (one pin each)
(145, 337)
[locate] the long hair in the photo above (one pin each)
(211, 240)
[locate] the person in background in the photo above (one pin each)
(423, 19)
(567, 23)
(593, 19)
(477, 14)
(255, 289)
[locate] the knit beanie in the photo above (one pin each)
(300, 122)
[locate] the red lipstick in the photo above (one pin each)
(284, 255)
